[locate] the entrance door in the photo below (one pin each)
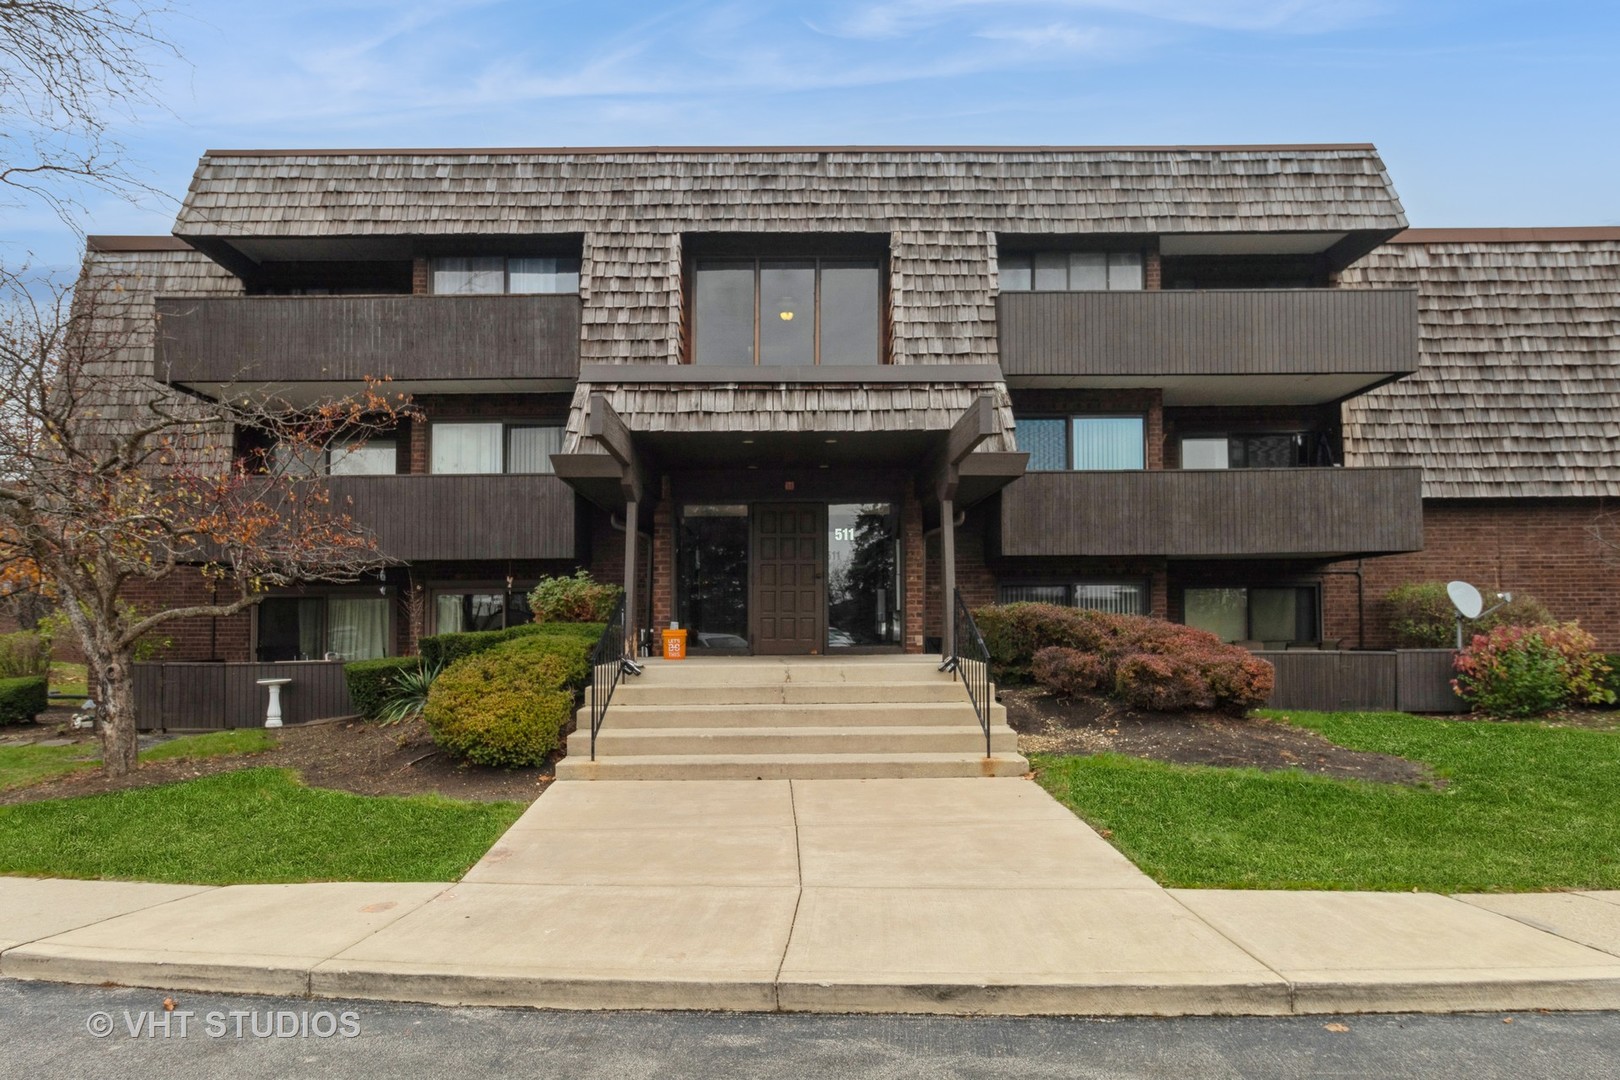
(789, 557)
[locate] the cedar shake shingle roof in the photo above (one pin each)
(938, 208)
(1518, 392)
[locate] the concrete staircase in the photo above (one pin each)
(791, 718)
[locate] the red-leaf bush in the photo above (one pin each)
(1148, 663)
(1530, 670)
(1069, 671)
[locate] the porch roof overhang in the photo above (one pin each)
(623, 464)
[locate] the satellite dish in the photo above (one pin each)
(1465, 598)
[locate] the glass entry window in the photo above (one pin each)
(1121, 598)
(863, 558)
(458, 612)
(787, 312)
(712, 575)
(1274, 616)
(352, 627)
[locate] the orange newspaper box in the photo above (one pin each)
(674, 644)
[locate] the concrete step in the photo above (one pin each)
(790, 766)
(731, 742)
(894, 714)
(758, 670)
(643, 692)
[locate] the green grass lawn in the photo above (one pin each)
(251, 825)
(1524, 807)
(70, 679)
(24, 765)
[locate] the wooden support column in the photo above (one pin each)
(977, 423)
(947, 575)
(604, 425)
(630, 576)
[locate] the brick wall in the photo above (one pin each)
(1536, 547)
(663, 556)
(193, 639)
(914, 571)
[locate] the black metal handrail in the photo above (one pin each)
(609, 663)
(970, 661)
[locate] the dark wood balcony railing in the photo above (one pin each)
(255, 340)
(418, 518)
(1208, 332)
(1218, 513)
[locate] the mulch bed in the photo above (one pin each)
(1047, 724)
(343, 755)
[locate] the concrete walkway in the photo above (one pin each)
(954, 896)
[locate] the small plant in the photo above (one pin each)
(409, 694)
(508, 706)
(1069, 671)
(24, 653)
(22, 699)
(371, 681)
(576, 599)
(1531, 670)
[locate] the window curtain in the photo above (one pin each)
(1223, 612)
(1046, 443)
(1035, 594)
(530, 449)
(447, 614)
(543, 275)
(1108, 442)
(357, 627)
(1119, 599)
(477, 274)
(466, 448)
(376, 457)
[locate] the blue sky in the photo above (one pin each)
(1487, 112)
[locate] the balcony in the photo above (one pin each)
(1212, 347)
(433, 343)
(420, 518)
(1214, 514)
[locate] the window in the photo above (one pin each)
(1276, 450)
(787, 312)
(1082, 442)
(351, 627)
(342, 457)
(1275, 616)
(490, 447)
(456, 612)
(1070, 271)
(466, 274)
(1123, 598)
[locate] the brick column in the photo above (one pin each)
(421, 276)
(1159, 595)
(663, 556)
(914, 571)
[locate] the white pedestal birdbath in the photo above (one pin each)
(272, 715)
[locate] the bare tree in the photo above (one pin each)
(70, 69)
(1604, 529)
(109, 480)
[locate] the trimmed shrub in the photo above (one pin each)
(24, 653)
(1172, 666)
(1069, 671)
(371, 682)
(1161, 682)
(1530, 670)
(1421, 615)
(507, 706)
(442, 650)
(577, 599)
(22, 699)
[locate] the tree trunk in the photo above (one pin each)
(116, 712)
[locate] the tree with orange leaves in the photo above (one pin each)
(109, 479)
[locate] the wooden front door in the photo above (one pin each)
(789, 587)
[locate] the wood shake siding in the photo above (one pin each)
(1518, 390)
(940, 210)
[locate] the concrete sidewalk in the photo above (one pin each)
(953, 896)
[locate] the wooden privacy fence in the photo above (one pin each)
(212, 696)
(1403, 680)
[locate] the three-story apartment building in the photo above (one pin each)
(794, 397)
